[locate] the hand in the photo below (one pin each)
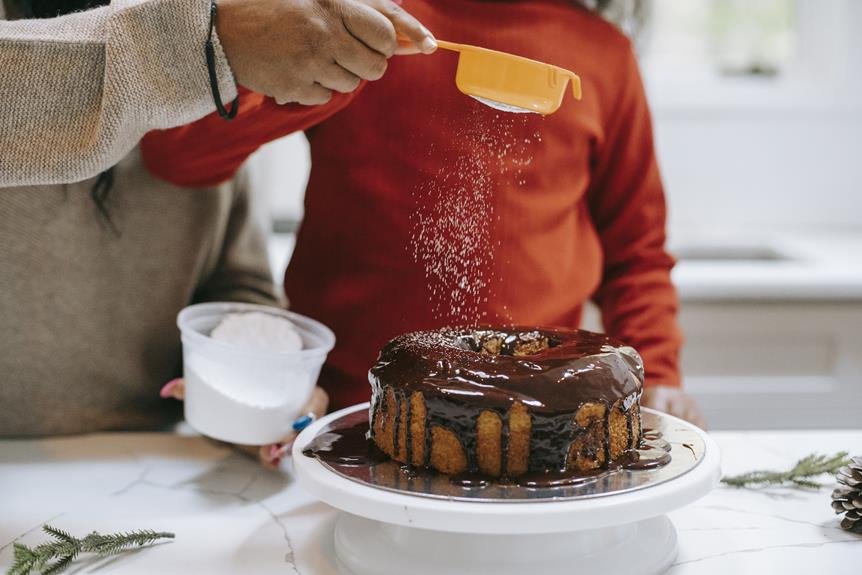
(269, 455)
(673, 401)
(302, 50)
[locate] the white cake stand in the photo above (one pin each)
(384, 531)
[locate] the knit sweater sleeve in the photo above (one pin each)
(79, 91)
(637, 298)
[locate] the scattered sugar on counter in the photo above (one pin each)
(258, 331)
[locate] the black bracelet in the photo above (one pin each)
(209, 51)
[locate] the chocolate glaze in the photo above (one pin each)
(352, 445)
(346, 446)
(458, 381)
(578, 366)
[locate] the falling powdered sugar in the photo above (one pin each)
(454, 222)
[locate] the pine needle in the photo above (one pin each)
(58, 554)
(800, 475)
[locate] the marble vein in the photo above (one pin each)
(137, 480)
(31, 530)
(732, 509)
(241, 494)
(766, 548)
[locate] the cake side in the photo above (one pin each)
(501, 444)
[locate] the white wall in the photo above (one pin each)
(778, 171)
(782, 154)
(280, 172)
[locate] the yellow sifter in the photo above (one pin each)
(511, 83)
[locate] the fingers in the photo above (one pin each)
(406, 26)
(338, 79)
(406, 48)
(675, 402)
(654, 398)
(370, 27)
(271, 455)
(362, 61)
(692, 413)
(313, 95)
(175, 388)
(318, 403)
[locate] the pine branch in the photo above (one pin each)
(59, 565)
(58, 534)
(111, 544)
(799, 475)
(22, 561)
(58, 554)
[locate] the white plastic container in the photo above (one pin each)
(244, 396)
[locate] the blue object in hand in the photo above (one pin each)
(302, 422)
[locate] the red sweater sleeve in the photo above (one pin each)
(211, 150)
(636, 296)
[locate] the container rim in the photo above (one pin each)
(224, 308)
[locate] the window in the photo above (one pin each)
(742, 53)
(725, 37)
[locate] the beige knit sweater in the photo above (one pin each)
(88, 318)
(78, 92)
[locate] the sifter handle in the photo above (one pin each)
(576, 82)
(446, 45)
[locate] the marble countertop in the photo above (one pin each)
(231, 516)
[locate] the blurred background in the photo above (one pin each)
(757, 108)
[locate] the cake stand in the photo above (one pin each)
(613, 524)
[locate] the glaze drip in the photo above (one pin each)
(353, 446)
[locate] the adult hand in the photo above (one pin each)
(302, 50)
(269, 455)
(674, 401)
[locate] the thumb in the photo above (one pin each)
(175, 388)
(413, 37)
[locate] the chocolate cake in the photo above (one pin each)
(506, 401)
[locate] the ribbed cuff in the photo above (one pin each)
(169, 37)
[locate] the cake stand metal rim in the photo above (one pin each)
(555, 493)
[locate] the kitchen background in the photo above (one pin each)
(758, 120)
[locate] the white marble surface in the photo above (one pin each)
(231, 516)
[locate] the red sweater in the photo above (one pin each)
(577, 210)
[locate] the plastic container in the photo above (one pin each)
(246, 396)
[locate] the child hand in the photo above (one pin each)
(269, 455)
(673, 401)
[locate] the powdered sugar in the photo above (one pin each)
(258, 331)
(455, 235)
(503, 107)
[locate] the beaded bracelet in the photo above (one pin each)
(209, 51)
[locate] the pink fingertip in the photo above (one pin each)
(168, 389)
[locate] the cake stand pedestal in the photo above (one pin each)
(387, 531)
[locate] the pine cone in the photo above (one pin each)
(847, 499)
